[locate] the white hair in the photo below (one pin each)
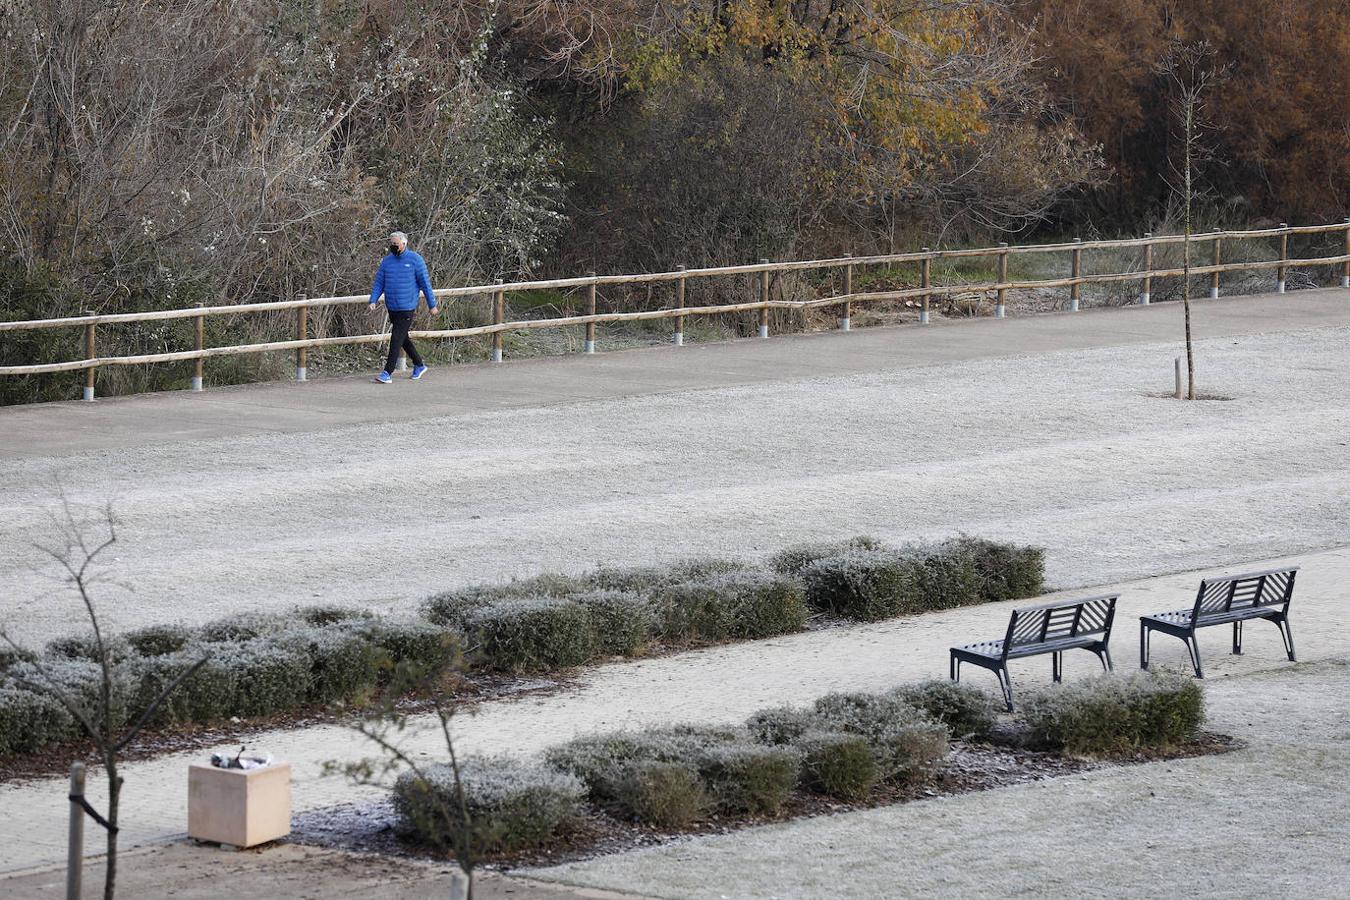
(398, 237)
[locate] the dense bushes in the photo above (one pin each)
(511, 805)
(263, 664)
(963, 709)
(1112, 713)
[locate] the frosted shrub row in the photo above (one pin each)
(843, 746)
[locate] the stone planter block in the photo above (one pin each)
(239, 807)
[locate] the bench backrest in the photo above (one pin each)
(1089, 617)
(1249, 590)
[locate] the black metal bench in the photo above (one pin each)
(1049, 628)
(1229, 598)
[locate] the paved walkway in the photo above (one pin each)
(639, 457)
(65, 429)
(722, 684)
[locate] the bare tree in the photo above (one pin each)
(384, 722)
(1189, 73)
(78, 556)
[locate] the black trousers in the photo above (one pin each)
(401, 320)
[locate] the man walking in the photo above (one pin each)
(401, 275)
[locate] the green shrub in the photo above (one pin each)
(963, 709)
(1007, 571)
(866, 585)
(534, 634)
(420, 647)
(205, 696)
(651, 579)
(319, 616)
(904, 741)
(454, 608)
(667, 794)
(944, 577)
(1114, 713)
(81, 681)
(31, 720)
(511, 804)
(243, 627)
(268, 676)
(838, 764)
(794, 559)
(84, 648)
(781, 725)
(750, 778)
(157, 640)
(733, 605)
(344, 665)
(623, 623)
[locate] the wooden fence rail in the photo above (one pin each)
(680, 312)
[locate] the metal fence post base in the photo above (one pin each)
(679, 339)
(1214, 293)
(497, 355)
(301, 373)
(589, 348)
(844, 324)
(196, 384)
(1000, 311)
(923, 317)
(402, 366)
(1279, 287)
(764, 331)
(1345, 281)
(1143, 299)
(88, 395)
(1073, 305)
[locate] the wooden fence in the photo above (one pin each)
(925, 292)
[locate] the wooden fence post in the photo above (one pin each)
(1148, 269)
(1282, 273)
(764, 299)
(589, 345)
(90, 351)
(198, 343)
(498, 317)
(1218, 261)
(1001, 307)
(75, 844)
(926, 281)
(679, 304)
(1076, 289)
(845, 319)
(1345, 272)
(302, 353)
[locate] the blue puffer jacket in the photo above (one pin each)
(399, 279)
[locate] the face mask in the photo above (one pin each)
(395, 249)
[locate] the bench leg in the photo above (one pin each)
(1057, 666)
(1237, 637)
(1005, 684)
(1144, 634)
(1104, 657)
(955, 669)
(1193, 648)
(1288, 637)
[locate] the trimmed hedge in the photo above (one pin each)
(965, 710)
(838, 764)
(1113, 713)
(533, 634)
(263, 664)
(511, 804)
(904, 740)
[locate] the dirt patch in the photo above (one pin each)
(969, 767)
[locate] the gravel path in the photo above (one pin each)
(1068, 450)
(1267, 820)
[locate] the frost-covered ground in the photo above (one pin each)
(1070, 450)
(1267, 819)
